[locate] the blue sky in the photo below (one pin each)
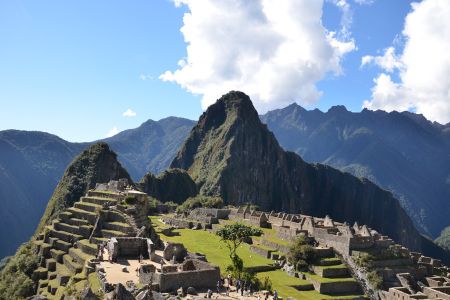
(73, 68)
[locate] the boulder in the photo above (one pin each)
(191, 291)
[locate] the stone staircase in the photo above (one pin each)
(70, 241)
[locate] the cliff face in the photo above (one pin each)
(232, 154)
(172, 185)
(96, 164)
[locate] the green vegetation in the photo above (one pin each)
(301, 254)
(444, 239)
(233, 235)
(15, 278)
(216, 253)
(375, 279)
(96, 164)
(200, 201)
(172, 185)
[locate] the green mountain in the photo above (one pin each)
(96, 164)
(173, 185)
(32, 163)
(230, 153)
(401, 152)
(444, 239)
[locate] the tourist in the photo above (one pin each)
(209, 293)
(238, 285)
(250, 288)
(230, 282)
(275, 295)
(258, 298)
(227, 290)
(218, 286)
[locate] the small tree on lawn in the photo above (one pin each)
(233, 236)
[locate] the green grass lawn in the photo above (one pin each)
(210, 245)
(217, 253)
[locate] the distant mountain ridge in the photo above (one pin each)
(402, 152)
(32, 163)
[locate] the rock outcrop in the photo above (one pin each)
(230, 153)
(172, 185)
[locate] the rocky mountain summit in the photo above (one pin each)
(232, 154)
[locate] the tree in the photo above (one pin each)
(301, 253)
(233, 235)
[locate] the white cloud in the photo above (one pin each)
(388, 62)
(423, 66)
(145, 77)
(275, 51)
(129, 113)
(112, 132)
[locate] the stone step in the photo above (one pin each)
(82, 214)
(77, 222)
(51, 288)
(118, 226)
(99, 240)
(111, 233)
(63, 274)
(50, 264)
(88, 206)
(105, 194)
(57, 255)
(52, 275)
(65, 215)
(333, 261)
(79, 256)
(72, 265)
(83, 230)
(115, 216)
(332, 272)
(87, 248)
(65, 236)
(45, 250)
(62, 245)
(98, 200)
(43, 283)
(40, 273)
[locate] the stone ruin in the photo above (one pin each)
(352, 241)
(166, 270)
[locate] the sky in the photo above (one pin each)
(85, 70)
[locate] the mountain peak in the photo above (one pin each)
(96, 164)
(338, 109)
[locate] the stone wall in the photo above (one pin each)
(177, 223)
(339, 243)
(204, 276)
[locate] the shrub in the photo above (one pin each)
(375, 280)
(200, 201)
(301, 251)
(130, 200)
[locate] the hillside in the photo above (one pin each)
(96, 164)
(32, 163)
(401, 152)
(230, 153)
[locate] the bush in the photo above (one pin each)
(375, 280)
(301, 251)
(301, 265)
(15, 281)
(200, 201)
(130, 200)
